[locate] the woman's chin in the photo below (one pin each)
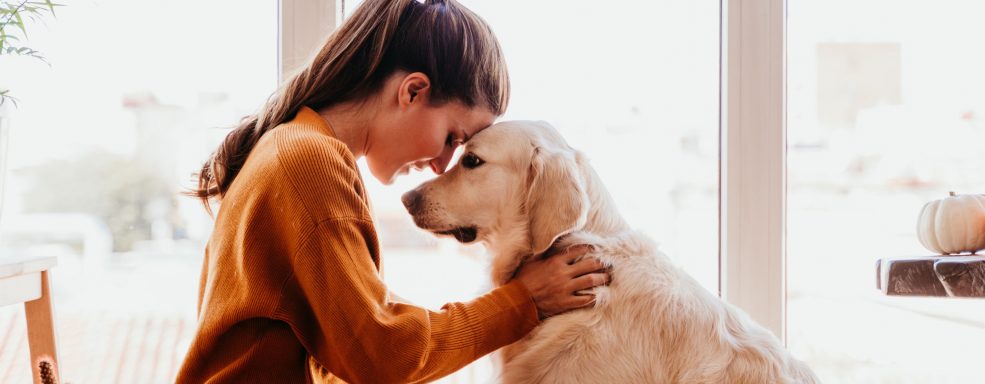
(382, 174)
(390, 177)
(389, 180)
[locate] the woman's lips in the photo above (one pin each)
(419, 166)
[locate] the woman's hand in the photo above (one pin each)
(554, 281)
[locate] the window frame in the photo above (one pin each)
(752, 187)
(302, 26)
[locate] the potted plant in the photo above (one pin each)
(14, 14)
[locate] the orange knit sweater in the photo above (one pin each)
(290, 289)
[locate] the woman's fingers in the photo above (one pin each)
(565, 280)
(588, 281)
(572, 253)
(581, 301)
(586, 266)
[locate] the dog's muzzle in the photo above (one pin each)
(414, 203)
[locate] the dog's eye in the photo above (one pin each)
(470, 160)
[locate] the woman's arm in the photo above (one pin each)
(336, 304)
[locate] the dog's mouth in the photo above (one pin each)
(462, 234)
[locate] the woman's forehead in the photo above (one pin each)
(475, 120)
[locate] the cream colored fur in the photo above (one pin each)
(652, 324)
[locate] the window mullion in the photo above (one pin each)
(753, 159)
(303, 25)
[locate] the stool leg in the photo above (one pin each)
(41, 336)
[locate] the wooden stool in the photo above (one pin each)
(25, 280)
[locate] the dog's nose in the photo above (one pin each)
(411, 200)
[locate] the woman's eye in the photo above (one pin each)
(470, 160)
(452, 141)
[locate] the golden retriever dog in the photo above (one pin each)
(520, 189)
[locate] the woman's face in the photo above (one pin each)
(417, 135)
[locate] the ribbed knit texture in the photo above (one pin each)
(290, 289)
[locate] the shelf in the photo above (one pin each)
(932, 276)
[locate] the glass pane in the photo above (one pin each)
(139, 92)
(634, 85)
(886, 100)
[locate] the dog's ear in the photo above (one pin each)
(557, 202)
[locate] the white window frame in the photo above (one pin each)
(752, 220)
(752, 264)
(303, 25)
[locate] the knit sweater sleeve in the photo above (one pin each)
(350, 328)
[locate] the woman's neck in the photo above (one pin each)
(350, 122)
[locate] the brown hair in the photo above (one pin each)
(440, 38)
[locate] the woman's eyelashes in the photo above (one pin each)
(453, 141)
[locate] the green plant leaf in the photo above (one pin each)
(20, 22)
(5, 97)
(12, 13)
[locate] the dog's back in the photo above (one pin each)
(653, 324)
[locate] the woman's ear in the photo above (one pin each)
(413, 88)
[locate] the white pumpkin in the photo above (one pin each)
(953, 225)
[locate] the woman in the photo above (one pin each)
(290, 288)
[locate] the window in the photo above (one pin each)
(882, 118)
(138, 94)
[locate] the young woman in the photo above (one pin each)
(290, 289)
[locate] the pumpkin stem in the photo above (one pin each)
(952, 193)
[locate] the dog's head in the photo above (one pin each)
(516, 181)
